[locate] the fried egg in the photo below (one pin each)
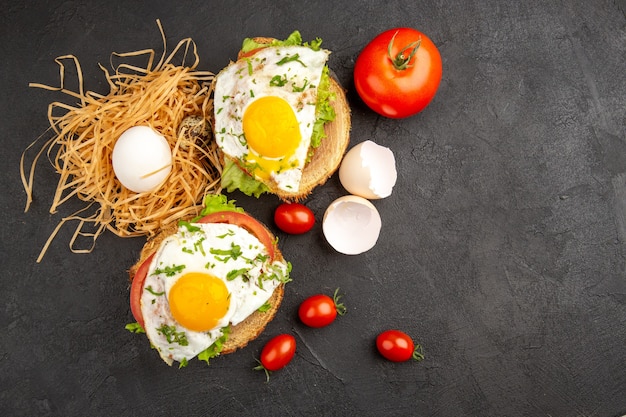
(202, 279)
(265, 112)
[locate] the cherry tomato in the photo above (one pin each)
(398, 346)
(277, 353)
(294, 218)
(247, 222)
(398, 73)
(320, 310)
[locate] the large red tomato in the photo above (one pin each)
(398, 73)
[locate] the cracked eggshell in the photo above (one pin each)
(351, 225)
(368, 170)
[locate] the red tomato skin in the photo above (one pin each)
(395, 345)
(397, 93)
(317, 311)
(278, 352)
(136, 289)
(294, 218)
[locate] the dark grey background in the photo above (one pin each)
(502, 249)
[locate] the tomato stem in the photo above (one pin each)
(401, 60)
(341, 309)
(260, 367)
(418, 353)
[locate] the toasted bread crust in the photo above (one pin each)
(327, 157)
(244, 332)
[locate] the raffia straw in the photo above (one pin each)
(160, 96)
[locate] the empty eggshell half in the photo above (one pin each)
(368, 170)
(351, 225)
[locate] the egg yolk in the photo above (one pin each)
(272, 132)
(198, 301)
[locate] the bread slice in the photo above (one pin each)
(327, 157)
(244, 332)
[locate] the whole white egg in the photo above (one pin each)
(368, 170)
(142, 159)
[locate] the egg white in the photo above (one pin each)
(190, 251)
(248, 79)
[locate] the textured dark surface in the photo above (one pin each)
(503, 244)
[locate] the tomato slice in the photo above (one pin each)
(137, 287)
(250, 53)
(247, 222)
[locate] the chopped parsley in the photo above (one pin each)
(297, 89)
(291, 58)
(169, 271)
(172, 335)
(234, 252)
(190, 227)
(242, 272)
(278, 81)
(275, 272)
(198, 246)
(151, 291)
(229, 233)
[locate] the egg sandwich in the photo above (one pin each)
(209, 285)
(281, 121)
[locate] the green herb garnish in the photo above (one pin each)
(231, 275)
(234, 252)
(169, 271)
(172, 335)
(151, 291)
(278, 81)
(190, 227)
(297, 89)
(291, 58)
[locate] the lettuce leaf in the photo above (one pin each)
(234, 178)
(295, 39)
(214, 203)
(324, 111)
(135, 328)
(215, 349)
